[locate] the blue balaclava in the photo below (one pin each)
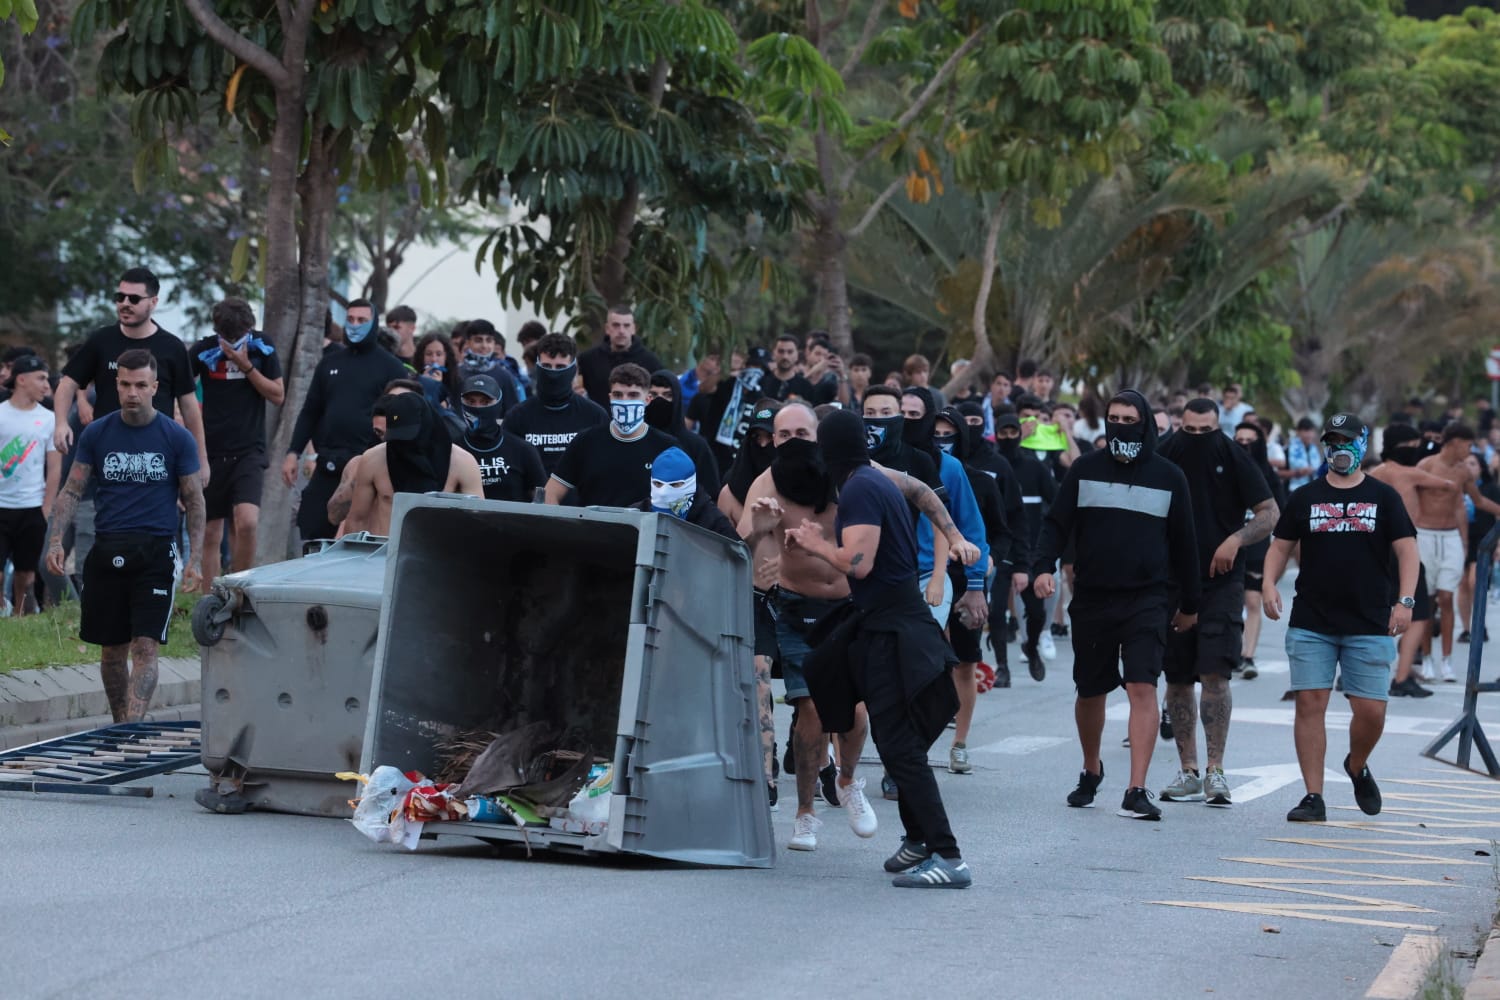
(674, 482)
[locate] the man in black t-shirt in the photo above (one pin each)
(610, 466)
(94, 364)
(240, 373)
(553, 415)
(1224, 483)
(1350, 526)
(509, 468)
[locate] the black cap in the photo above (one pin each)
(483, 383)
(26, 364)
(1345, 425)
(403, 417)
(1007, 420)
(764, 417)
(758, 357)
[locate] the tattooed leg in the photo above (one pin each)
(142, 677)
(767, 712)
(114, 671)
(1181, 705)
(1215, 704)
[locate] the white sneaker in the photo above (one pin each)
(861, 817)
(805, 833)
(1445, 668)
(1047, 647)
(1423, 672)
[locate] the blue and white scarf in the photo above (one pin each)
(215, 354)
(748, 381)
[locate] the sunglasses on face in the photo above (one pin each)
(134, 300)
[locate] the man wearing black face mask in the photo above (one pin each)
(1131, 515)
(755, 456)
(1224, 483)
(664, 412)
(554, 414)
(1038, 489)
(415, 456)
(510, 468)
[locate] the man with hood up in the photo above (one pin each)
(414, 456)
(509, 468)
(664, 412)
(335, 416)
(1131, 515)
(888, 653)
(675, 491)
(1038, 489)
(553, 415)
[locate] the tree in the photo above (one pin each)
(24, 13)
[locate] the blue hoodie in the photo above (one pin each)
(964, 508)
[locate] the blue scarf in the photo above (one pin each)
(747, 382)
(215, 354)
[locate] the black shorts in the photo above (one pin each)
(765, 625)
(1115, 628)
(1422, 610)
(1213, 646)
(23, 532)
(964, 640)
(129, 581)
(1255, 563)
(233, 480)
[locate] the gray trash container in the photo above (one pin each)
(287, 656)
(635, 628)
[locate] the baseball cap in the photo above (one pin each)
(764, 417)
(1345, 425)
(1007, 420)
(26, 364)
(483, 383)
(403, 417)
(757, 357)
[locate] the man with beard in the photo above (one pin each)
(664, 412)
(797, 490)
(1131, 515)
(888, 653)
(1224, 483)
(620, 346)
(723, 416)
(416, 456)
(509, 468)
(1401, 450)
(553, 415)
(1038, 490)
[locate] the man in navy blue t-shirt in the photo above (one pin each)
(142, 464)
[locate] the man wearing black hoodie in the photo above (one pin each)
(509, 468)
(1038, 489)
(1131, 515)
(664, 412)
(620, 346)
(553, 415)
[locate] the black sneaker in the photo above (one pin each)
(1409, 688)
(1082, 797)
(1248, 669)
(1309, 810)
(888, 789)
(1060, 631)
(1137, 805)
(828, 781)
(1002, 676)
(775, 764)
(772, 795)
(911, 854)
(1012, 628)
(1166, 724)
(1366, 792)
(1034, 662)
(1463, 636)
(936, 873)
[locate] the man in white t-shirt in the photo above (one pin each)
(29, 470)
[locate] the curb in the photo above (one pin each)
(74, 695)
(1484, 984)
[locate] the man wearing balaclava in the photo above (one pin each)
(889, 654)
(1346, 617)
(675, 492)
(1224, 483)
(415, 456)
(335, 416)
(610, 466)
(1130, 515)
(664, 412)
(553, 415)
(510, 468)
(1038, 490)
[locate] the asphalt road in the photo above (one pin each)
(159, 898)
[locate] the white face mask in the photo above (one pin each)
(628, 414)
(674, 497)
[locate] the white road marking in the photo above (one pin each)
(1017, 746)
(1406, 969)
(1272, 778)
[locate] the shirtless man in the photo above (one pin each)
(417, 456)
(794, 490)
(1401, 450)
(1443, 527)
(343, 496)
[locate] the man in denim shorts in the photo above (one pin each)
(1348, 610)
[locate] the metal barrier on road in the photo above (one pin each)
(1467, 728)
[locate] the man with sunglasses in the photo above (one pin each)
(94, 364)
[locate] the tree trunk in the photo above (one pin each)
(982, 363)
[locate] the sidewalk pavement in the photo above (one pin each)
(54, 701)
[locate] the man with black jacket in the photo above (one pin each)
(335, 415)
(620, 346)
(1131, 514)
(664, 412)
(1038, 489)
(981, 455)
(553, 415)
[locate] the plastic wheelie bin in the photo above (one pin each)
(633, 630)
(287, 656)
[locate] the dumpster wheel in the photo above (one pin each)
(209, 619)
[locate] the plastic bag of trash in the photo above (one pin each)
(378, 813)
(589, 809)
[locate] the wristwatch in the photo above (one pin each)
(1407, 602)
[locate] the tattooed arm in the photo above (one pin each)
(1259, 527)
(190, 492)
(921, 496)
(63, 510)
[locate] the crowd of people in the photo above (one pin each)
(896, 529)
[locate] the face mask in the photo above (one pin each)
(1125, 440)
(356, 334)
(880, 431)
(674, 500)
(1200, 441)
(554, 386)
(1408, 455)
(659, 414)
(1028, 426)
(1345, 457)
(476, 361)
(1010, 448)
(482, 418)
(628, 414)
(945, 442)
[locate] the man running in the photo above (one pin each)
(1345, 617)
(1224, 483)
(1131, 515)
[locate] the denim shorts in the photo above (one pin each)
(1365, 661)
(940, 612)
